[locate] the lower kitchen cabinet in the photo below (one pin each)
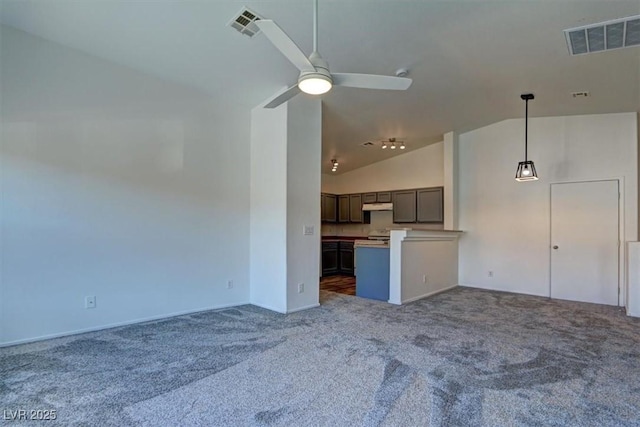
(346, 258)
(337, 258)
(329, 258)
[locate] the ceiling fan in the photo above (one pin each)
(315, 77)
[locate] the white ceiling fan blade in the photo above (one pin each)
(285, 45)
(371, 81)
(282, 96)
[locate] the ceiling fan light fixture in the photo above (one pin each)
(384, 145)
(393, 145)
(402, 146)
(315, 84)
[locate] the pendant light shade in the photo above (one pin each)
(526, 170)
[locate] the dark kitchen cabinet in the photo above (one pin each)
(346, 263)
(379, 197)
(355, 208)
(404, 206)
(329, 207)
(337, 258)
(343, 208)
(384, 197)
(330, 255)
(430, 203)
(369, 197)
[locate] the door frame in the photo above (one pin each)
(622, 279)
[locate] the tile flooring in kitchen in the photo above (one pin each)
(339, 284)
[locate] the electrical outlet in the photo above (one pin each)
(229, 284)
(424, 278)
(90, 302)
(307, 230)
(300, 288)
(490, 273)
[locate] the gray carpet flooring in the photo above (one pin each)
(465, 357)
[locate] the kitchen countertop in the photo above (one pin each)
(342, 238)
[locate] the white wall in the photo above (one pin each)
(423, 167)
(268, 232)
(507, 223)
(115, 184)
(329, 183)
(428, 267)
(304, 145)
(633, 260)
(285, 190)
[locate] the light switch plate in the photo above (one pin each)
(308, 230)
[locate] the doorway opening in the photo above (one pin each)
(341, 284)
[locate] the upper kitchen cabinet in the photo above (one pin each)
(379, 197)
(329, 206)
(355, 208)
(430, 203)
(343, 208)
(384, 197)
(369, 197)
(404, 206)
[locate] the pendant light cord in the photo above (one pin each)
(526, 126)
(315, 25)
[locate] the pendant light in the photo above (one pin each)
(526, 170)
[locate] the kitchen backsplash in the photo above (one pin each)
(379, 220)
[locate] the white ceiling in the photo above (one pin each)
(469, 59)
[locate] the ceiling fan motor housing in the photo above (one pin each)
(321, 72)
(321, 66)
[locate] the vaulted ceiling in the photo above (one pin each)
(469, 60)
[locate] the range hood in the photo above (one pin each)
(377, 207)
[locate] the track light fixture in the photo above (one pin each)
(393, 144)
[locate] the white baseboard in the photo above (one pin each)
(118, 324)
(488, 288)
(306, 307)
(428, 294)
(267, 307)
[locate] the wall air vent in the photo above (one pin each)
(615, 34)
(244, 22)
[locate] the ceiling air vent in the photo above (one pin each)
(615, 34)
(367, 144)
(244, 22)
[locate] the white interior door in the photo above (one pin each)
(584, 241)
